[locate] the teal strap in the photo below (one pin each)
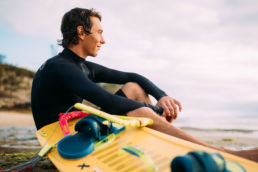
(210, 162)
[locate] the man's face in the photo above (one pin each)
(93, 41)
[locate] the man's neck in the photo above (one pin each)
(77, 50)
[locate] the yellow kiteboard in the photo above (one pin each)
(159, 149)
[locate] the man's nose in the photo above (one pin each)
(102, 41)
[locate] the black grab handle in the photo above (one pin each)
(156, 109)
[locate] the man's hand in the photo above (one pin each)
(170, 107)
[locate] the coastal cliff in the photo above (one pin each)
(15, 87)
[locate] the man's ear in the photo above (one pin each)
(80, 32)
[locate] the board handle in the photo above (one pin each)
(122, 120)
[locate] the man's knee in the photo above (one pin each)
(132, 88)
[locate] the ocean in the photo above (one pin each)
(233, 133)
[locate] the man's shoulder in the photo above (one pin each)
(57, 60)
(93, 65)
(90, 63)
(52, 63)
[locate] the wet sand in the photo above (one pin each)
(229, 140)
(17, 133)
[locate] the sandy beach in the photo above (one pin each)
(15, 119)
(17, 132)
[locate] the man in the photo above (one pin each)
(68, 78)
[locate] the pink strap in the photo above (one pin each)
(64, 117)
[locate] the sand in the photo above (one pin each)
(14, 119)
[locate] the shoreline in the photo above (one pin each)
(228, 140)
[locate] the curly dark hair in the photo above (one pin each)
(71, 20)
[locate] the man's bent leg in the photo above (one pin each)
(134, 91)
(163, 126)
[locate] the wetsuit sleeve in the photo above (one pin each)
(79, 83)
(107, 75)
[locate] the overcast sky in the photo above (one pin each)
(203, 53)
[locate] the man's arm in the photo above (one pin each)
(103, 74)
(107, 75)
(79, 84)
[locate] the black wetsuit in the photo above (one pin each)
(67, 79)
